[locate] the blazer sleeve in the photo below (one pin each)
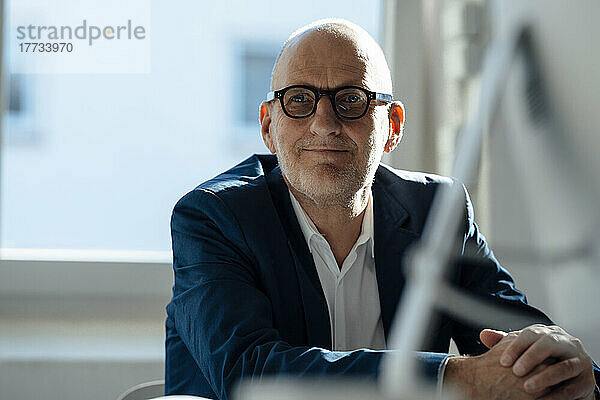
(222, 315)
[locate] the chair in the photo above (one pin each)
(153, 391)
(144, 391)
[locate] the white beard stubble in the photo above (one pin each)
(326, 184)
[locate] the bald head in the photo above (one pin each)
(330, 159)
(326, 45)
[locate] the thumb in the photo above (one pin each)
(490, 337)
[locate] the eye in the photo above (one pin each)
(299, 98)
(352, 98)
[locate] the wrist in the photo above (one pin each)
(456, 375)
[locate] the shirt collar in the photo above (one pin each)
(309, 229)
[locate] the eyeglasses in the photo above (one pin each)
(348, 102)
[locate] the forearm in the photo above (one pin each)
(224, 369)
(456, 376)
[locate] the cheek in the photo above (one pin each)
(277, 127)
(382, 118)
(373, 131)
(284, 131)
(381, 126)
(278, 120)
(376, 119)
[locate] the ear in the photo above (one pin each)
(396, 116)
(264, 117)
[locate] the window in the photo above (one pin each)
(19, 121)
(87, 190)
(114, 152)
(257, 64)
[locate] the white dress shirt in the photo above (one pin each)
(351, 291)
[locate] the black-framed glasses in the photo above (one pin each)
(348, 102)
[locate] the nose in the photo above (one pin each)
(324, 121)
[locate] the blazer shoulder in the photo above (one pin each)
(238, 179)
(390, 175)
(240, 175)
(231, 191)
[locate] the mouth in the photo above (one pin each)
(326, 155)
(325, 150)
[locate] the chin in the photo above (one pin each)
(325, 184)
(321, 181)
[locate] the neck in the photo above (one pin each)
(339, 222)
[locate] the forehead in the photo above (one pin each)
(326, 62)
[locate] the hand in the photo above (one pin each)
(571, 377)
(482, 377)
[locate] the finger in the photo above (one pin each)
(550, 345)
(538, 392)
(555, 374)
(517, 347)
(570, 391)
(490, 337)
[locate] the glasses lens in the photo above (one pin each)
(351, 102)
(298, 102)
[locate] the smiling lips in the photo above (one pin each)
(326, 154)
(325, 150)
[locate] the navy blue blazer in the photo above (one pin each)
(247, 300)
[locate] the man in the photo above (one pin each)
(291, 264)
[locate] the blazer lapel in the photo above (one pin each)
(316, 314)
(392, 238)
